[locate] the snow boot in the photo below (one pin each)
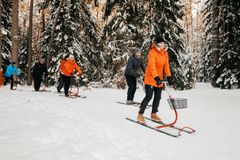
(140, 119)
(129, 102)
(155, 117)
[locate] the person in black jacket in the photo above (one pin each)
(134, 64)
(38, 70)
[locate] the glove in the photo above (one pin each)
(170, 81)
(158, 80)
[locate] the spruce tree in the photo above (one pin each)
(75, 34)
(123, 32)
(204, 60)
(23, 57)
(6, 24)
(125, 21)
(166, 18)
(228, 66)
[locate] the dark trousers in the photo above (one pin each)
(7, 80)
(60, 83)
(149, 93)
(132, 86)
(66, 82)
(37, 83)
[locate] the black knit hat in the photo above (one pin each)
(159, 39)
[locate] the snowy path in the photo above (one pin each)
(46, 126)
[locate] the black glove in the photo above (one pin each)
(158, 80)
(170, 81)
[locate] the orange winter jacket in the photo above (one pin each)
(61, 67)
(1, 78)
(69, 67)
(158, 65)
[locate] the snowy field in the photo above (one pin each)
(46, 126)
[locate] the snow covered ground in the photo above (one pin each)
(46, 126)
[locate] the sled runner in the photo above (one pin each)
(174, 103)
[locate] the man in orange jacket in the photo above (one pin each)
(67, 70)
(157, 68)
(60, 80)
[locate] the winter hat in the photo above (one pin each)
(159, 39)
(67, 56)
(71, 57)
(136, 50)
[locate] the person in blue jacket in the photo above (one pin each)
(11, 71)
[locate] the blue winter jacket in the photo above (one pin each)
(11, 70)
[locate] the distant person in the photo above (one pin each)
(11, 71)
(1, 77)
(39, 69)
(60, 80)
(157, 69)
(134, 64)
(67, 72)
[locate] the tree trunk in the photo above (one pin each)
(43, 20)
(15, 31)
(0, 34)
(214, 42)
(29, 79)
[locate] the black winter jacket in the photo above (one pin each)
(39, 69)
(133, 65)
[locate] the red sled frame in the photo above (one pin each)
(191, 130)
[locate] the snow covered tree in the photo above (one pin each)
(205, 59)
(1, 32)
(223, 68)
(228, 66)
(6, 27)
(214, 39)
(167, 15)
(121, 34)
(23, 57)
(75, 33)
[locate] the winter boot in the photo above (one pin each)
(129, 102)
(155, 117)
(140, 119)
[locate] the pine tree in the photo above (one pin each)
(228, 66)
(6, 26)
(204, 63)
(166, 22)
(23, 57)
(121, 34)
(225, 73)
(75, 34)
